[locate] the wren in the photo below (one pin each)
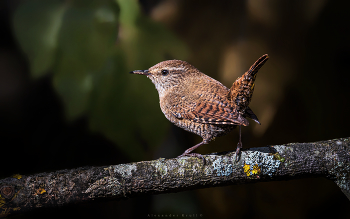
(200, 104)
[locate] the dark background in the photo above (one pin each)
(74, 104)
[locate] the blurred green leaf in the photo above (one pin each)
(144, 41)
(36, 25)
(90, 65)
(134, 102)
(86, 42)
(74, 85)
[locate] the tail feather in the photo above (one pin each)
(257, 65)
(242, 89)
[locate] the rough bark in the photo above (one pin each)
(330, 159)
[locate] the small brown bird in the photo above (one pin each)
(200, 104)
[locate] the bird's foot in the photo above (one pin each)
(193, 155)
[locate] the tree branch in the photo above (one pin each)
(330, 159)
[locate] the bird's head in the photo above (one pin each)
(168, 74)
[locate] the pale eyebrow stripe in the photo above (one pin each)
(176, 68)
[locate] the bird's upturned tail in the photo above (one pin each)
(242, 89)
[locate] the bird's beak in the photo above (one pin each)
(140, 72)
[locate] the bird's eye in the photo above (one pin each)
(165, 72)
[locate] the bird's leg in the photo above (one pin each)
(188, 151)
(239, 146)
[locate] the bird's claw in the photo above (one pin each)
(193, 155)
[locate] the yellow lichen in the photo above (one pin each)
(4, 212)
(246, 169)
(256, 169)
(40, 191)
(251, 170)
(17, 176)
(2, 201)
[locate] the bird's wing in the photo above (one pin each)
(212, 112)
(217, 113)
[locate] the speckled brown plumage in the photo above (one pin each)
(200, 104)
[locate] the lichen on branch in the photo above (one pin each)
(328, 159)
